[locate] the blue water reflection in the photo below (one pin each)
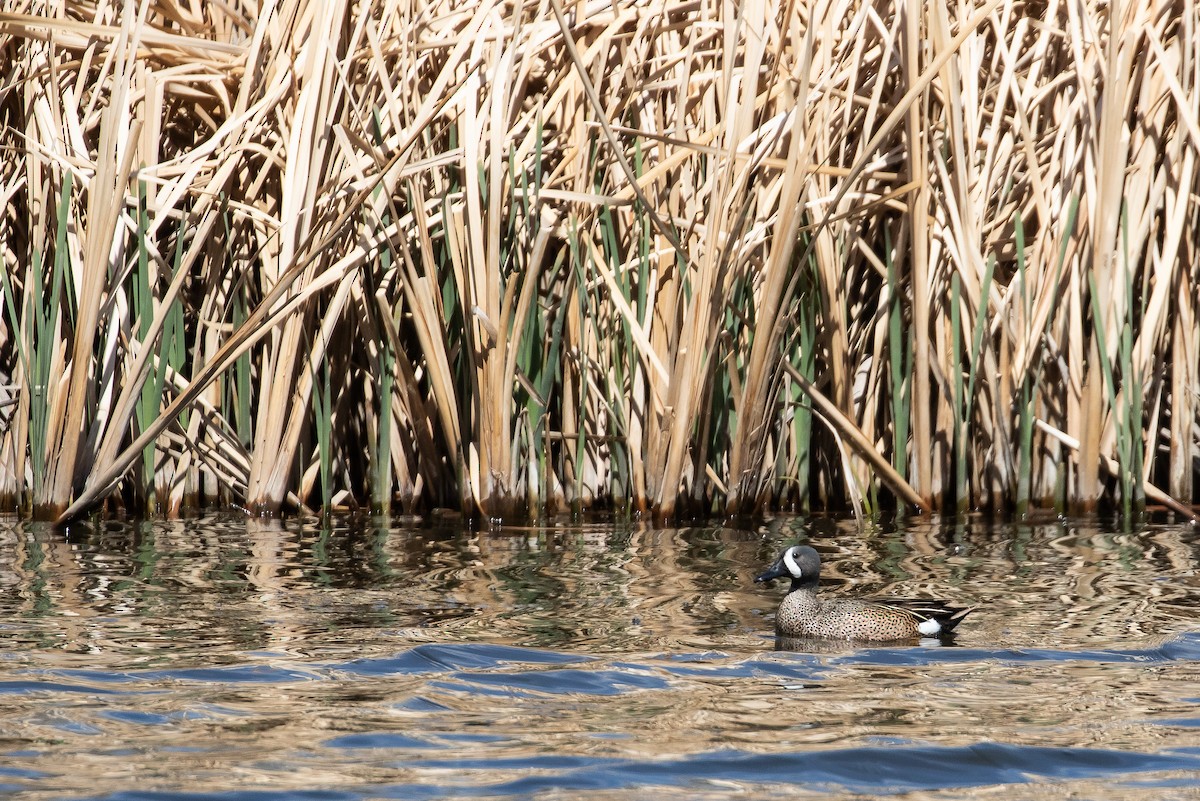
(245, 663)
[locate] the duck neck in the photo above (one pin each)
(806, 583)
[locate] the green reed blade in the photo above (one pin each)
(61, 260)
(44, 314)
(382, 467)
(900, 365)
(143, 302)
(1133, 499)
(323, 412)
(1059, 267)
(580, 261)
(1028, 391)
(14, 321)
(174, 328)
(802, 419)
(958, 446)
(39, 402)
(1106, 367)
(967, 401)
(981, 318)
(619, 357)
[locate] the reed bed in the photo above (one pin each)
(678, 256)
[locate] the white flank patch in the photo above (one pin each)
(929, 627)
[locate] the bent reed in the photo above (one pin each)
(678, 256)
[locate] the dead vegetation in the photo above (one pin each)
(689, 256)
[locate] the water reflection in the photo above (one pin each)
(414, 658)
(255, 584)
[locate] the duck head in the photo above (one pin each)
(800, 563)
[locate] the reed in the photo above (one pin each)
(680, 257)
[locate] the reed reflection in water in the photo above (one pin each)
(417, 659)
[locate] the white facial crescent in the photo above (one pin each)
(789, 562)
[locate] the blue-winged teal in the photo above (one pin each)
(802, 613)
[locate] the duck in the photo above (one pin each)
(804, 614)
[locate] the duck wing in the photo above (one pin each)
(923, 609)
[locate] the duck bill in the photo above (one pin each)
(777, 570)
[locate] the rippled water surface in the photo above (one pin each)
(239, 659)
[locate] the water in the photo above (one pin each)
(230, 659)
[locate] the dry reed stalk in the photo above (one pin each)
(599, 253)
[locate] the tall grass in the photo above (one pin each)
(689, 258)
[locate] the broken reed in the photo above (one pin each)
(687, 258)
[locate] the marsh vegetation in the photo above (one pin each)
(681, 256)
